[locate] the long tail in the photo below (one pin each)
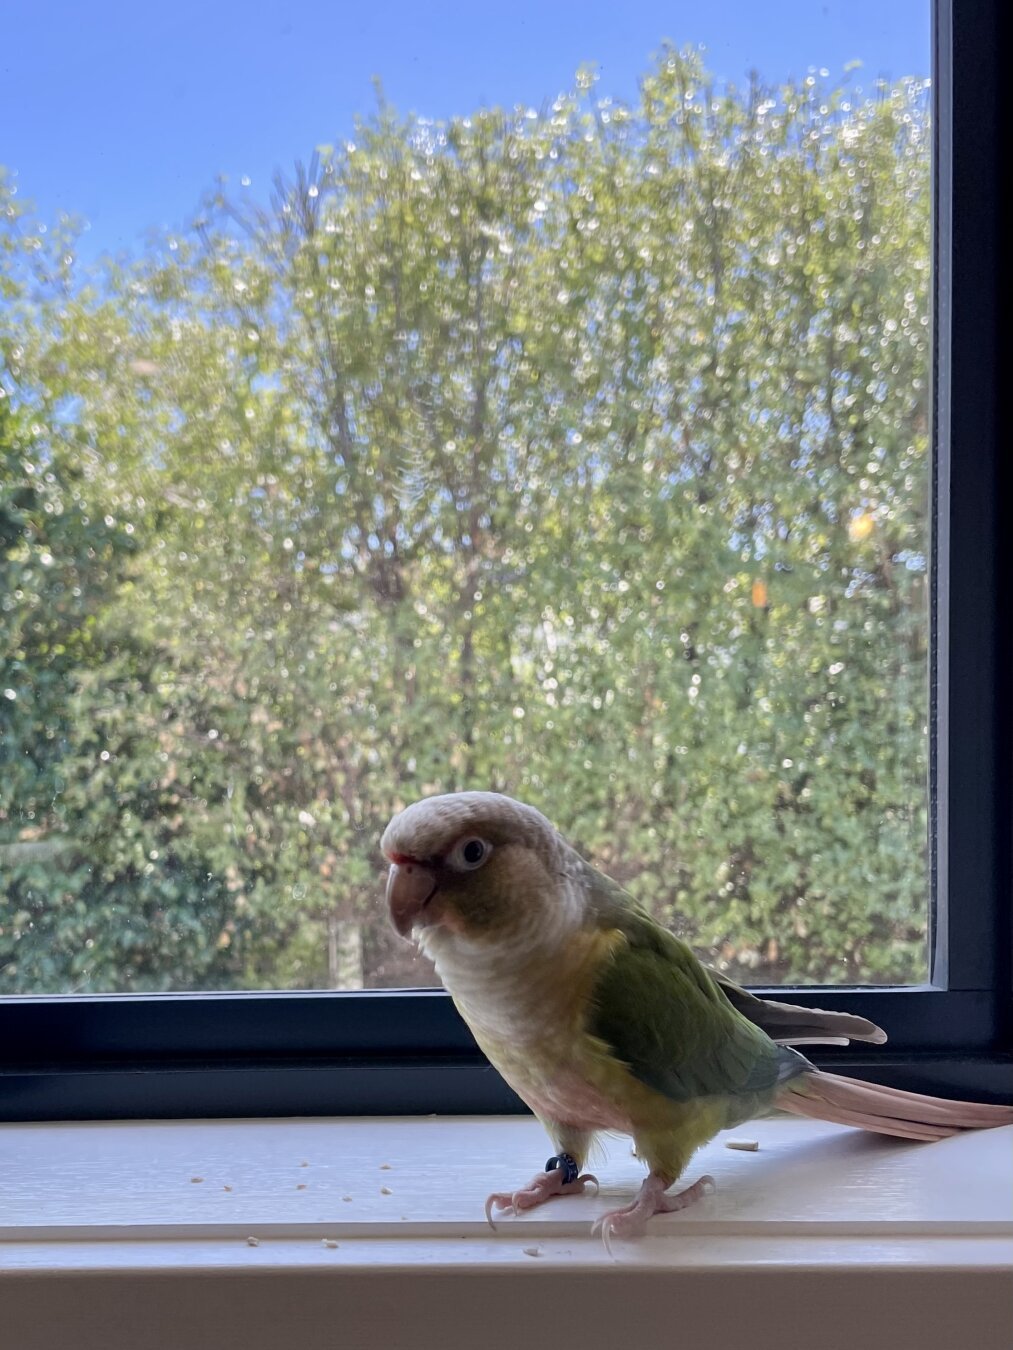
(885, 1110)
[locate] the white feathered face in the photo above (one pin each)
(474, 862)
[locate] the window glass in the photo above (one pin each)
(550, 417)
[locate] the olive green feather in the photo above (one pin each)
(670, 1020)
(665, 1017)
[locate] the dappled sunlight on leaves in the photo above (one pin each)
(579, 453)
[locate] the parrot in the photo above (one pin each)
(601, 1020)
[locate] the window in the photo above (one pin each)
(573, 559)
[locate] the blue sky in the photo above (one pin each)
(125, 112)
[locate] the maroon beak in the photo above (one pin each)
(410, 887)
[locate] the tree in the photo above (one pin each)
(104, 886)
(578, 454)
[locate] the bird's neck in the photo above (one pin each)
(515, 988)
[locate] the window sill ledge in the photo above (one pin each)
(917, 1240)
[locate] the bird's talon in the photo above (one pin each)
(498, 1200)
(603, 1228)
(545, 1186)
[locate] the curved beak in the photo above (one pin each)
(410, 887)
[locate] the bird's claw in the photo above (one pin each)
(543, 1187)
(631, 1220)
(604, 1228)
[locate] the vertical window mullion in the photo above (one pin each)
(970, 774)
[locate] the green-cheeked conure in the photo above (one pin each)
(600, 1019)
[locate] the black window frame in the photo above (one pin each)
(278, 1054)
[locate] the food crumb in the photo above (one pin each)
(346, 1198)
(385, 1167)
(301, 1186)
(386, 1190)
(195, 1180)
(532, 1251)
(328, 1242)
(304, 1164)
(743, 1145)
(226, 1188)
(253, 1242)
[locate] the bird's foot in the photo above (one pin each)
(631, 1221)
(561, 1177)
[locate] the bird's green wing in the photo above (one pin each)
(785, 1023)
(664, 1015)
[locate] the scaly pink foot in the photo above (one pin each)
(540, 1188)
(632, 1219)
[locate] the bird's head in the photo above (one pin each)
(476, 864)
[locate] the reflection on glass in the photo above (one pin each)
(576, 451)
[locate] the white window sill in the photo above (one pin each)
(902, 1244)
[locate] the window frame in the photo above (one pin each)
(406, 1052)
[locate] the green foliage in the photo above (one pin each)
(580, 455)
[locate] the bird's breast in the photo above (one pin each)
(529, 1017)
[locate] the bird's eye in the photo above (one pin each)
(467, 854)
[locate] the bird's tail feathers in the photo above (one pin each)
(886, 1110)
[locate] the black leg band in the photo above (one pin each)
(566, 1165)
